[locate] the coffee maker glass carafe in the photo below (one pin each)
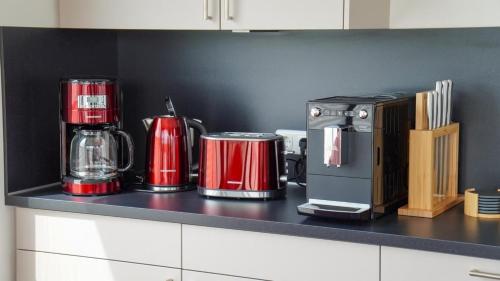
(94, 154)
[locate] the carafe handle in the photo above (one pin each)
(130, 146)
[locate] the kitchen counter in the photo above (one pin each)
(451, 232)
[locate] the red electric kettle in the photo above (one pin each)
(169, 151)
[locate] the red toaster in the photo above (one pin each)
(242, 165)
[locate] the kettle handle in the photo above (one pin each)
(201, 129)
(130, 146)
(196, 125)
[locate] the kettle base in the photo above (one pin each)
(243, 194)
(92, 187)
(164, 189)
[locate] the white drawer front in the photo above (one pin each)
(202, 276)
(277, 257)
(412, 265)
(156, 243)
(37, 266)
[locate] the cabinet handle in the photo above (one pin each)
(229, 16)
(477, 273)
(206, 14)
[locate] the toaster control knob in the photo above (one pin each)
(315, 111)
(363, 114)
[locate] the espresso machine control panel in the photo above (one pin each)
(359, 116)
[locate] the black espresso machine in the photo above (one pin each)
(357, 155)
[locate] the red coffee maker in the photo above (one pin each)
(169, 166)
(90, 128)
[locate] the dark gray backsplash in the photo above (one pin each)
(249, 82)
(34, 59)
(261, 81)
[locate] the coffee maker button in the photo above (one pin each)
(363, 114)
(315, 111)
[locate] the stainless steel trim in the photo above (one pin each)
(164, 189)
(309, 208)
(477, 273)
(361, 206)
(242, 194)
(235, 139)
(206, 14)
(72, 179)
(272, 137)
(228, 10)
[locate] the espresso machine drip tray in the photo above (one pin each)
(334, 209)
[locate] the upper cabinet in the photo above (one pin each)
(299, 14)
(250, 14)
(282, 14)
(144, 14)
(444, 13)
(32, 13)
(224, 14)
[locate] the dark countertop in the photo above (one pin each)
(451, 232)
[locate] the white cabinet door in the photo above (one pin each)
(38, 266)
(281, 14)
(276, 257)
(202, 276)
(444, 13)
(140, 241)
(30, 13)
(143, 14)
(412, 265)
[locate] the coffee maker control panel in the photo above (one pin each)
(357, 116)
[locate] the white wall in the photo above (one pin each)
(7, 235)
(444, 13)
(34, 13)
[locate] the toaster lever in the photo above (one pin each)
(335, 145)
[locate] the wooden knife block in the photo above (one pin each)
(424, 199)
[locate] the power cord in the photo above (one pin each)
(300, 164)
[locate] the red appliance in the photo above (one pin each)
(242, 165)
(90, 101)
(169, 151)
(89, 124)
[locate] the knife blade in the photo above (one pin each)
(434, 109)
(439, 104)
(450, 87)
(445, 102)
(448, 121)
(444, 141)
